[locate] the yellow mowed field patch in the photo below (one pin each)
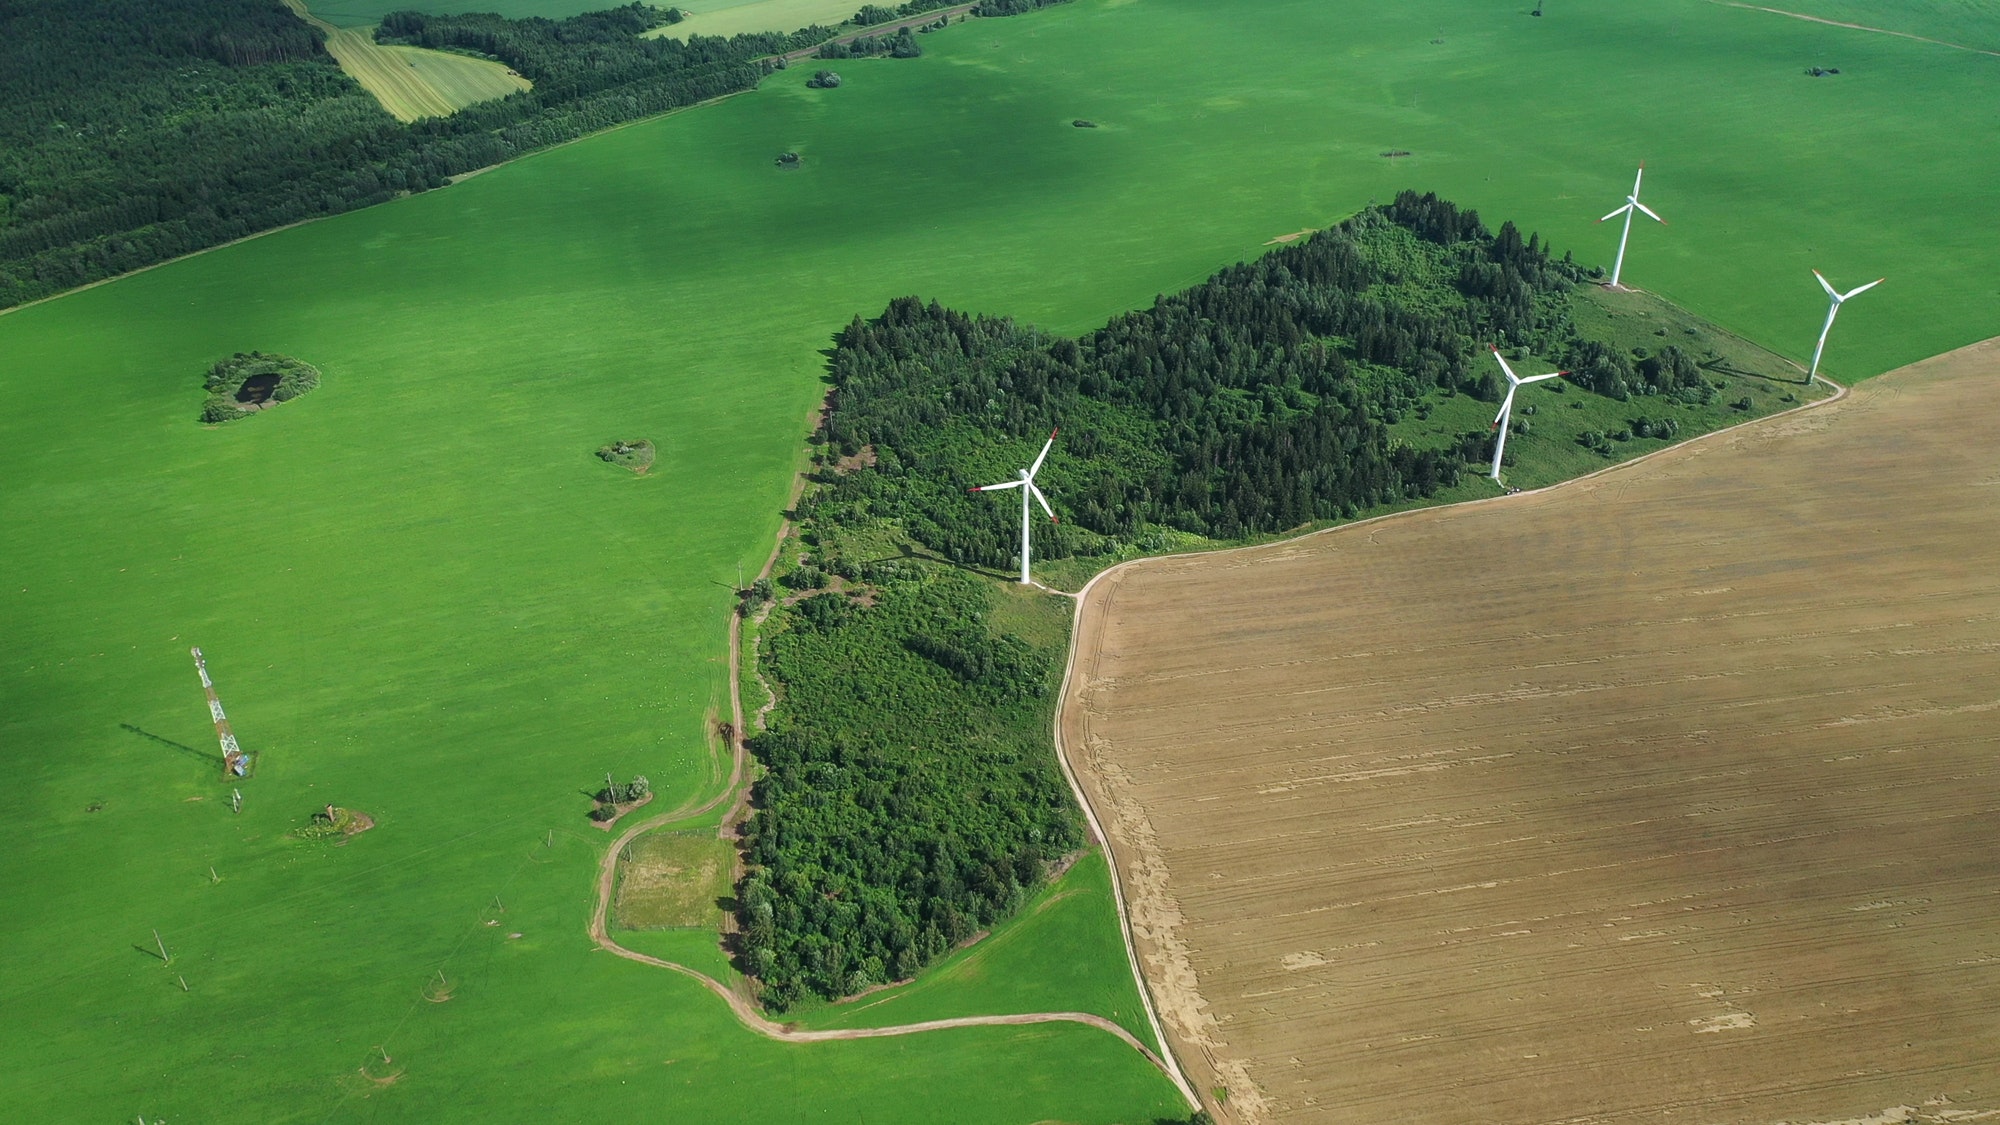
(1666, 795)
(412, 82)
(673, 880)
(722, 18)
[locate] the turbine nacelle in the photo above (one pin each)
(1839, 297)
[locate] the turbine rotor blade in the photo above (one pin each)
(1539, 378)
(1503, 365)
(1046, 446)
(1863, 289)
(1506, 405)
(1827, 285)
(1044, 502)
(1648, 211)
(1616, 213)
(997, 487)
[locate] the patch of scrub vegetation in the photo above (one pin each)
(617, 798)
(911, 795)
(634, 455)
(824, 80)
(334, 823)
(674, 880)
(248, 382)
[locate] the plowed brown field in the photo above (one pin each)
(1668, 795)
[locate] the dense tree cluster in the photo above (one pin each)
(910, 796)
(1256, 401)
(139, 130)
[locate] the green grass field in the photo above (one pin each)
(1061, 952)
(423, 597)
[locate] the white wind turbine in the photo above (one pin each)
(1026, 484)
(1632, 206)
(1833, 310)
(1514, 383)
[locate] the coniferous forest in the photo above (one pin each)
(912, 796)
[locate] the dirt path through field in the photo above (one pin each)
(1856, 26)
(1666, 794)
(737, 793)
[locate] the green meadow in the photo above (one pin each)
(423, 597)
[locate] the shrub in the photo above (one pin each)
(823, 80)
(220, 409)
(226, 379)
(806, 577)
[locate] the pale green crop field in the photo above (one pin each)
(728, 18)
(422, 597)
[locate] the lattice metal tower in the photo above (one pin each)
(235, 763)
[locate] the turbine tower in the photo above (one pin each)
(1833, 310)
(1632, 206)
(235, 763)
(1514, 383)
(1026, 483)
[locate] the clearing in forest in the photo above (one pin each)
(412, 82)
(1665, 795)
(670, 880)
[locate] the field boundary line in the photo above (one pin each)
(1069, 682)
(1856, 26)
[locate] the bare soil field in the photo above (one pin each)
(1667, 795)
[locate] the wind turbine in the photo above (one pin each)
(1833, 310)
(1026, 484)
(1632, 206)
(1514, 383)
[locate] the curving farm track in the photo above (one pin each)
(736, 792)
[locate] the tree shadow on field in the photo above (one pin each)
(1724, 367)
(909, 551)
(212, 759)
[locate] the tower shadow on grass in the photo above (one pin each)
(212, 759)
(1724, 367)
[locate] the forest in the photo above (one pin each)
(140, 130)
(911, 794)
